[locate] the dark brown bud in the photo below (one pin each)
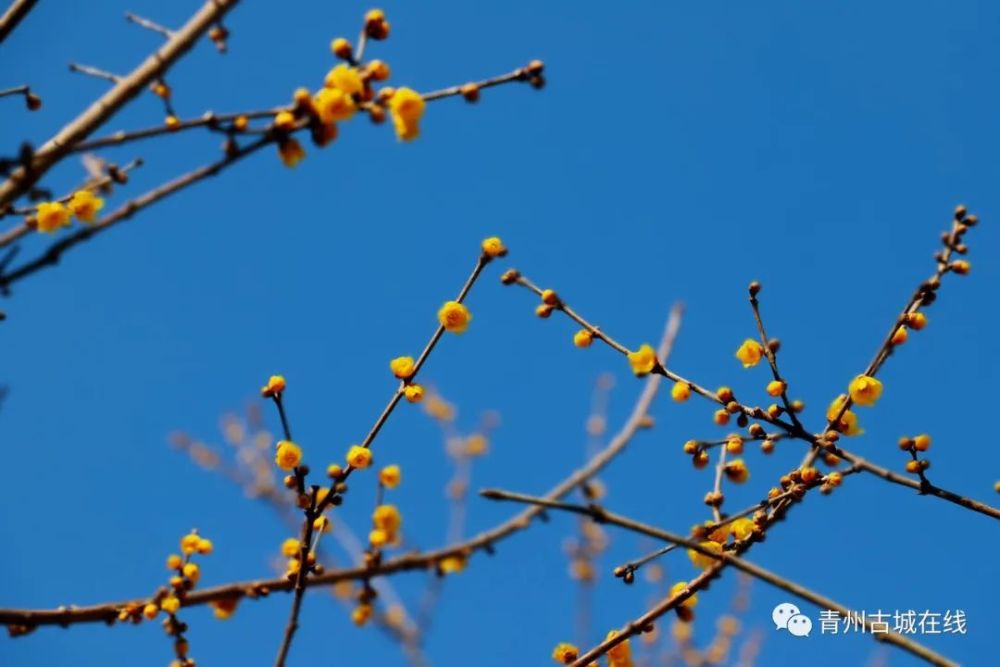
(754, 288)
(960, 212)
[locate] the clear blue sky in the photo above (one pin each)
(680, 150)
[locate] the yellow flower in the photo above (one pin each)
(333, 104)
(494, 247)
(621, 654)
(387, 518)
(691, 600)
(192, 572)
(275, 386)
(583, 338)
(452, 564)
(379, 70)
(407, 107)
(291, 152)
(848, 424)
(737, 471)
(290, 548)
(346, 78)
(720, 417)
(900, 335)
(170, 604)
(565, 654)
(85, 205)
(359, 457)
(172, 122)
(322, 524)
(916, 321)
(742, 528)
(390, 476)
(224, 608)
(680, 392)
(402, 367)
(750, 353)
(189, 543)
(476, 444)
(150, 611)
(378, 538)
(51, 215)
(643, 361)
(361, 614)
(454, 317)
(174, 562)
(414, 393)
(775, 387)
(284, 120)
(922, 442)
(865, 390)
(699, 559)
(288, 455)
(341, 48)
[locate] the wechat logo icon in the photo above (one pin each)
(787, 616)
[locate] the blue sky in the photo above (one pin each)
(679, 150)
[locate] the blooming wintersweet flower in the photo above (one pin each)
(414, 393)
(275, 386)
(680, 392)
(403, 367)
(494, 247)
(51, 215)
(345, 78)
(643, 360)
(865, 390)
(288, 455)
(359, 457)
(565, 654)
(583, 338)
(848, 424)
(390, 476)
(454, 317)
(407, 108)
(742, 528)
(699, 559)
(676, 589)
(620, 655)
(333, 104)
(85, 205)
(750, 353)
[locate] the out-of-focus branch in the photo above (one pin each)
(120, 94)
(13, 16)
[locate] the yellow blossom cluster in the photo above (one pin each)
(51, 216)
(386, 522)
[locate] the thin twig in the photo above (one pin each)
(149, 25)
(95, 72)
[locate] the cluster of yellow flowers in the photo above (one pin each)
(53, 215)
(347, 88)
(404, 368)
(620, 655)
(386, 522)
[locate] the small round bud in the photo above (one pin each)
(342, 48)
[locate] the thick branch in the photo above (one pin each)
(113, 100)
(13, 16)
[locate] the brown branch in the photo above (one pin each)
(603, 516)
(113, 100)
(298, 592)
(55, 251)
(108, 612)
(924, 489)
(13, 16)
